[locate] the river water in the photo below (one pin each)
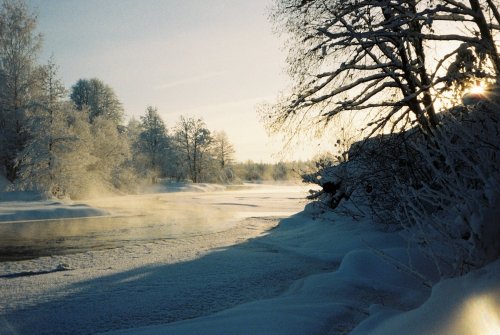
(147, 217)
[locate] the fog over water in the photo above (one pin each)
(142, 218)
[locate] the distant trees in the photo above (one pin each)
(189, 151)
(72, 143)
(281, 171)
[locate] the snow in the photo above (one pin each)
(469, 305)
(45, 210)
(313, 272)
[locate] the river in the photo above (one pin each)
(147, 217)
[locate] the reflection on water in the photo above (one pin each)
(143, 218)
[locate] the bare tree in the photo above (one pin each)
(370, 56)
(223, 156)
(481, 18)
(193, 141)
(223, 149)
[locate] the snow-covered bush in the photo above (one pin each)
(455, 215)
(443, 189)
(367, 175)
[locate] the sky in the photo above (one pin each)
(216, 59)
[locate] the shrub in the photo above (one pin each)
(443, 190)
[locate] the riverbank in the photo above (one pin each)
(312, 273)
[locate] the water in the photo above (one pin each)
(145, 218)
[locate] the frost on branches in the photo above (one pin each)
(443, 190)
(455, 214)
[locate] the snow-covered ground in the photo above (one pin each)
(310, 273)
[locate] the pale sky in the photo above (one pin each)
(215, 59)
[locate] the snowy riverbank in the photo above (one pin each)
(367, 291)
(311, 273)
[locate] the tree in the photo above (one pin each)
(223, 153)
(223, 149)
(193, 141)
(19, 47)
(99, 98)
(153, 140)
(370, 56)
(475, 56)
(485, 19)
(57, 164)
(110, 152)
(46, 121)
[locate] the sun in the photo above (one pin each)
(477, 89)
(475, 93)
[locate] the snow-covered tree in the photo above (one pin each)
(193, 142)
(49, 139)
(153, 141)
(99, 98)
(223, 155)
(433, 173)
(56, 158)
(19, 48)
(473, 23)
(110, 150)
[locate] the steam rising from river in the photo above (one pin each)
(147, 217)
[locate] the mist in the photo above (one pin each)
(123, 220)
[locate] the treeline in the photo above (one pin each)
(281, 171)
(72, 142)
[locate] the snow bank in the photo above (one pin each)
(314, 273)
(333, 301)
(379, 284)
(468, 305)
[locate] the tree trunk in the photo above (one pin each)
(486, 36)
